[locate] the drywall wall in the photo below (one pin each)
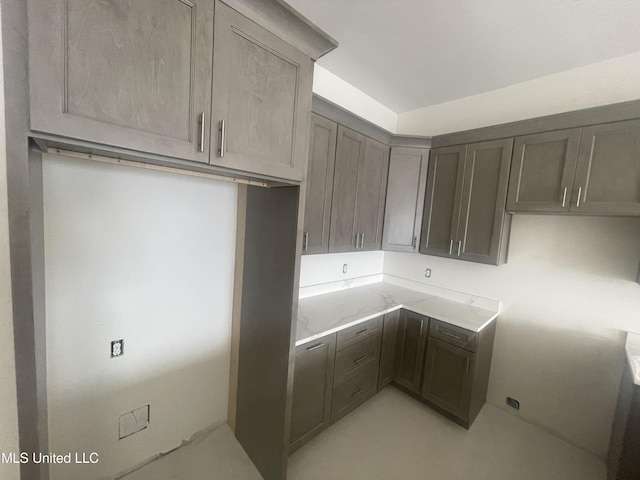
(612, 81)
(147, 257)
(8, 398)
(336, 271)
(342, 93)
(568, 291)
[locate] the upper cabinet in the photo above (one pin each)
(261, 99)
(608, 171)
(317, 211)
(359, 191)
(543, 171)
(134, 75)
(593, 170)
(405, 199)
(464, 214)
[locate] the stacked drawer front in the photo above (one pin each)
(356, 369)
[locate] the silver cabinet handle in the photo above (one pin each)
(362, 240)
(451, 247)
(362, 332)
(356, 393)
(448, 334)
(357, 240)
(305, 246)
(564, 197)
(415, 242)
(315, 347)
(223, 132)
(579, 195)
(203, 121)
(459, 246)
(466, 368)
(421, 327)
(360, 359)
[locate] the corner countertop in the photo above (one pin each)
(330, 312)
(632, 348)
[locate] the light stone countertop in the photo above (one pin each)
(632, 348)
(328, 313)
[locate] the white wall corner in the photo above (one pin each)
(611, 81)
(342, 93)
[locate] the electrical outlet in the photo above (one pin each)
(117, 348)
(513, 403)
(427, 273)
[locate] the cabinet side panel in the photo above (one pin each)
(265, 327)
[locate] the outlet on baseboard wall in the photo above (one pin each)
(513, 403)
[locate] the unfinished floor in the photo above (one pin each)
(391, 437)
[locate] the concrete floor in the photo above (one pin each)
(393, 437)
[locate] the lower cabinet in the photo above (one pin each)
(445, 366)
(410, 345)
(388, 348)
(456, 369)
(312, 384)
(623, 462)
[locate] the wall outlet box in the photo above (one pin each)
(513, 403)
(134, 421)
(117, 348)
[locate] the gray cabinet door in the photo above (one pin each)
(312, 389)
(405, 199)
(448, 377)
(410, 346)
(542, 171)
(350, 153)
(442, 202)
(371, 194)
(127, 74)
(388, 348)
(317, 212)
(262, 96)
(482, 214)
(608, 173)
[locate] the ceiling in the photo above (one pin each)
(409, 54)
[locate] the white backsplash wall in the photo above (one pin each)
(568, 289)
(147, 257)
(324, 273)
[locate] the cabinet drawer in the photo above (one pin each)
(359, 332)
(453, 335)
(353, 393)
(356, 358)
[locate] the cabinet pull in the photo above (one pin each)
(223, 131)
(466, 368)
(356, 393)
(415, 242)
(459, 246)
(362, 241)
(360, 359)
(357, 240)
(203, 121)
(449, 334)
(362, 332)
(564, 197)
(315, 347)
(451, 247)
(421, 327)
(305, 247)
(579, 195)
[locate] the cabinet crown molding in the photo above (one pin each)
(287, 23)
